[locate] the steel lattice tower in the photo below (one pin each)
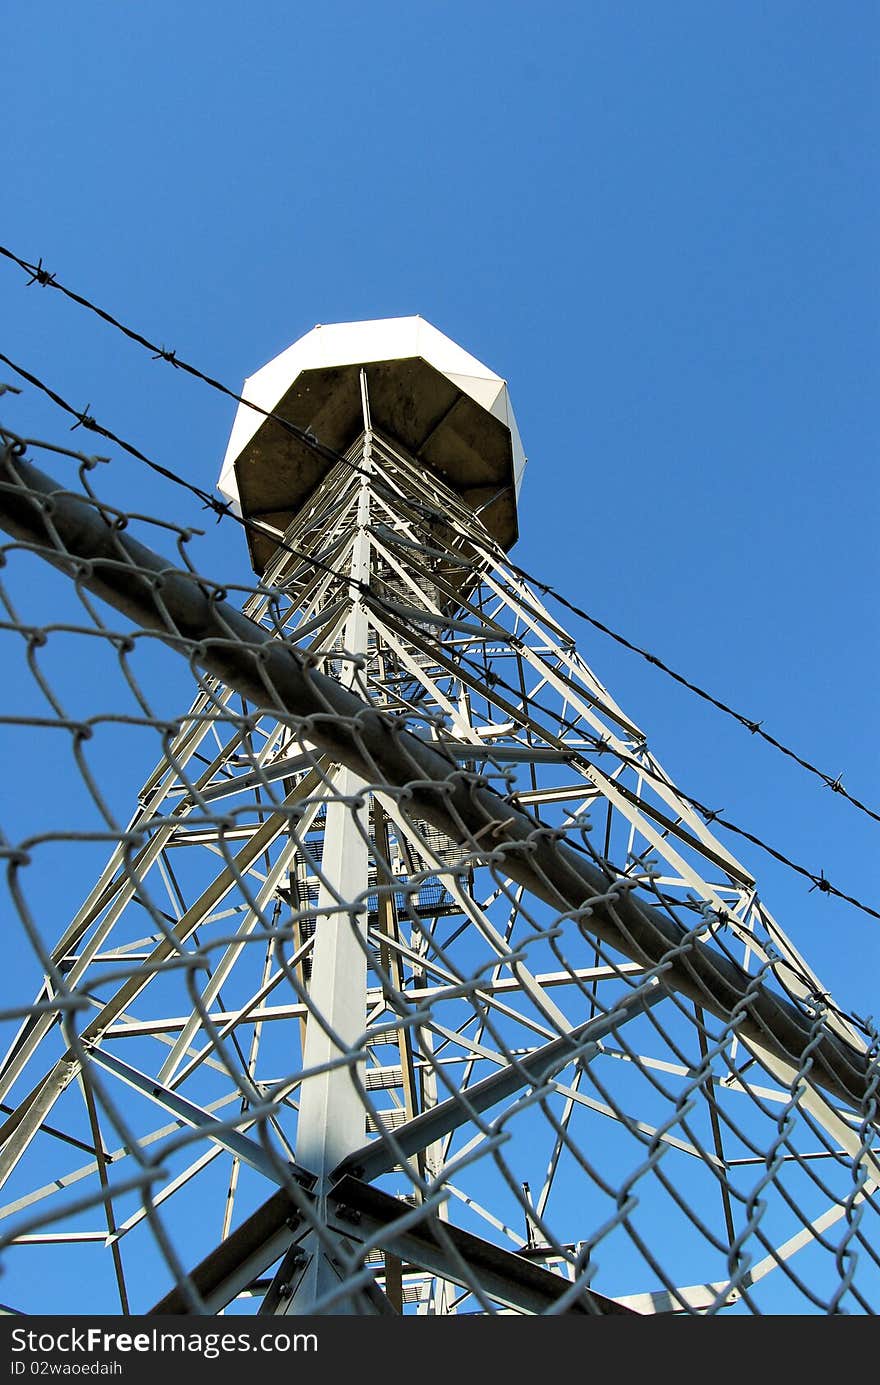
(593, 1111)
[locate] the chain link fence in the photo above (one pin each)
(527, 1080)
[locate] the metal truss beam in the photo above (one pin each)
(221, 1132)
(358, 1212)
(122, 571)
(533, 1070)
(502, 1275)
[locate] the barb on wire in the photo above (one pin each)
(713, 815)
(755, 728)
(160, 353)
(222, 509)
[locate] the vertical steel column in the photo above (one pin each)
(331, 1113)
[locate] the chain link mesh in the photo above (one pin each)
(554, 1078)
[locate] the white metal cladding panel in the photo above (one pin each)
(349, 343)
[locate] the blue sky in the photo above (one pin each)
(657, 221)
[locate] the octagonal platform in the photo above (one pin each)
(429, 396)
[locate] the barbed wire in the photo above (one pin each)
(755, 728)
(222, 509)
(647, 1058)
(711, 816)
(46, 280)
(818, 879)
(39, 275)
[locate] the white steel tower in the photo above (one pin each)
(458, 1004)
